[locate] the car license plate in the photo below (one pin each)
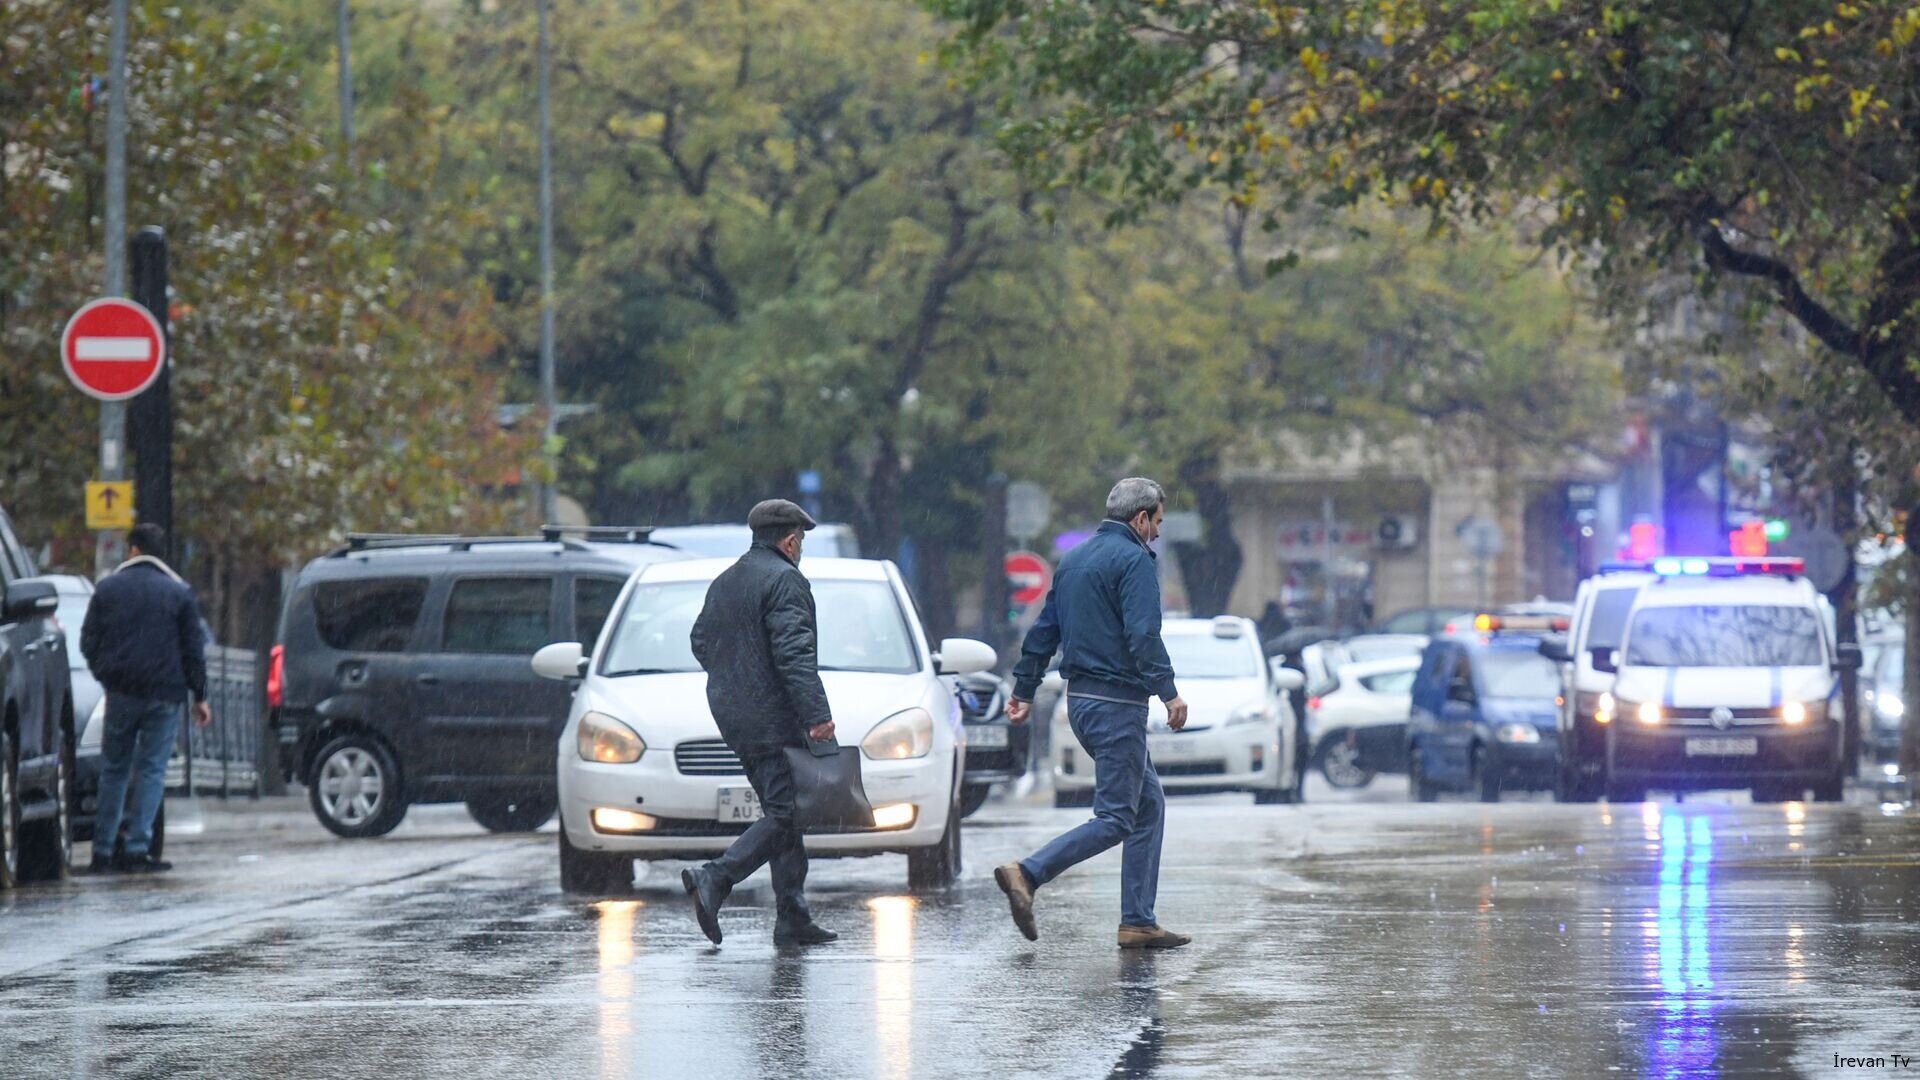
(1170, 748)
(738, 804)
(1745, 747)
(987, 736)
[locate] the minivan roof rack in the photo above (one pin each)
(631, 534)
(358, 542)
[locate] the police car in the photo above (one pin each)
(1726, 677)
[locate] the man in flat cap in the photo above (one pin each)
(757, 639)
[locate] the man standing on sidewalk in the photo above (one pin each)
(142, 640)
(757, 638)
(1103, 614)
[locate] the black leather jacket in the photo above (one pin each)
(756, 638)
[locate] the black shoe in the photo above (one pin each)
(143, 863)
(708, 895)
(100, 864)
(810, 934)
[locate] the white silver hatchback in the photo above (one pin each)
(644, 774)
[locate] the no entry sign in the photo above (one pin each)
(1028, 575)
(113, 349)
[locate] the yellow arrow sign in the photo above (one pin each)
(110, 504)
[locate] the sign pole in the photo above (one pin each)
(108, 548)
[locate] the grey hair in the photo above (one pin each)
(1132, 495)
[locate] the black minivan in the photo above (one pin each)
(402, 674)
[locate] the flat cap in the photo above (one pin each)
(773, 512)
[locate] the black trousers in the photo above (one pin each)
(774, 839)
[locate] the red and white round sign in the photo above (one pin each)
(1028, 576)
(113, 349)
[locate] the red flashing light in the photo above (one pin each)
(1749, 541)
(1643, 540)
(276, 676)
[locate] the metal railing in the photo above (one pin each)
(222, 758)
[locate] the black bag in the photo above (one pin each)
(827, 790)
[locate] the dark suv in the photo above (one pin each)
(402, 674)
(36, 723)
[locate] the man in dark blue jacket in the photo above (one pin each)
(1103, 615)
(142, 640)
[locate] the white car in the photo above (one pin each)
(643, 773)
(1726, 678)
(1358, 725)
(1240, 731)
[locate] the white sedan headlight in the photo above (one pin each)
(95, 732)
(906, 734)
(1253, 712)
(603, 739)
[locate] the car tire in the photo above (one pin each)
(1486, 782)
(1422, 789)
(593, 873)
(1070, 798)
(336, 787)
(938, 866)
(514, 812)
(46, 846)
(1273, 796)
(973, 797)
(1340, 763)
(9, 812)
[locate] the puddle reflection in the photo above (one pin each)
(1679, 934)
(893, 982)
(616, 984)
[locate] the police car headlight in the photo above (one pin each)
(603, 739)
(1253, 712)
(1793, 712)
(1889, 707)
(1518, 733)
(94, 733)
(904, 735)
(1604, 709)
(1650, 714)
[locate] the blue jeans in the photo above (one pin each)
(775, 839)
(135, 746)
(1128, 805)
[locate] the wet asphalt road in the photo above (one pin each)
(1355, 936)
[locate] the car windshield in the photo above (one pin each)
(1609, 618)
(861, 629)
(1203, 656)
(1730, 635)
(72, 613)
(1512, 673)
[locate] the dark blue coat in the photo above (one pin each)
(1103, 614)
(142, 635)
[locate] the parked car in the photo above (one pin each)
(1358, 723)
(1484, 712)
(997, 750)
(1599, 621)
(401, 674)
(1240, 733)
(644, 774)
(826, 540)
(1883, 693)
(36, 722)
(76, 594)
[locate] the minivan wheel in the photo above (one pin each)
(513, 812)
(9, 813)
(1486, 782)
(1417, 783)
(46, 847)
(355, 787)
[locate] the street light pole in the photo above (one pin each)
(113, 414)
(346, 86)
(547, 394)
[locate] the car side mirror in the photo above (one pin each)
(1286, 678)
(1460, 690)
(1846, 657)
(29, 598)
(560, 660)
(1606, 661)
(964, 656)
(1554, 647)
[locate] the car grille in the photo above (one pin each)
(1192, 768)
(1688, 717)
(706, 757)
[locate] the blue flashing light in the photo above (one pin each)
(1694, 566)
(1666, 567)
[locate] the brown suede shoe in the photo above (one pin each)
(1151, 937)
(1013, 882)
